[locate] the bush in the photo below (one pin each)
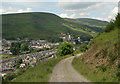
(109, 27)
(64, 49)
(24, 46)
(117, 21)
(10, 77)
(15, 48)
(118, 75)
(38, 50)
(20, 72)
(102, 67)
(112, 57)
(19, 61)
(83, 48)
(118, 65)
(113, 24)
(97, 54)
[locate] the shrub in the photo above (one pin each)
(97, 54)
(20, 72)
(113, 24)
(83, 48)
(19, 61)
(109, 27)
(118, 75)
(10, 77)
(102, 67)
(90, 43)
(117, 21)
(118, 65)
(15, 48)
(65, 48)
(104, 52)
(24, 46)
(112, 57)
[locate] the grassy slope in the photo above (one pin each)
(39, 73)
(103, 51)
(37, 26)
(93, 21)
(90, 26)
(33, 25)
(91, 73)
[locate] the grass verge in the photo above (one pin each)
(39, 73)
(91, 73)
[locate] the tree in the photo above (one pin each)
(109, 27)
(24, 46)
(65, 48)
(117, 20)
(113, 24)
(15, 48)
(19, 61)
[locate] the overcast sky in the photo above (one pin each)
(105, 10)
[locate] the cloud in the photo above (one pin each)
(98, 10)
(64, 15)
(76, 6)
(14, 10)
(29, 0)
(111, 15)
(100, 18)
(84, 6)
(88, 0)
(83, 14)
(60, 0)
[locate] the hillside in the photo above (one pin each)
(87, 25)
(39, 25)
(93, 21)
(102, 58)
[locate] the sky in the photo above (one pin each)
(105, 10)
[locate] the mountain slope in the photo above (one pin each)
(38, 25)
(90, 26)
(93, 21)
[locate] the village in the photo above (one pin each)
(10, 65)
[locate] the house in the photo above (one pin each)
(5, 72)
(23, 65)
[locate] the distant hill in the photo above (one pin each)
(93, 21)
(39, 25)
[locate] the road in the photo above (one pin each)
(64, 72)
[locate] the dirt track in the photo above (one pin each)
(64, 72)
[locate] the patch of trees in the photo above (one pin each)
(113, 24)
(17, 47)
(65, 48)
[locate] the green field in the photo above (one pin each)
(39, 73)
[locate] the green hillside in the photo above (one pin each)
(90, 26)
(39, 25)
(93, 21)
(101, 62)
